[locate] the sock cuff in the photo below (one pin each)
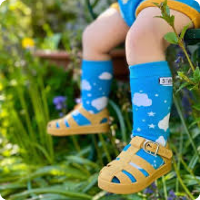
(150, 69)
(97, 63)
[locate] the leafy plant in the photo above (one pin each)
(35, 166)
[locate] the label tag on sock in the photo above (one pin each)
(166, 81)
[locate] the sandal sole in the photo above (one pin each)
(135, 187)
(104, 128)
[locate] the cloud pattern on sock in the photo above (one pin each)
(151, 107)
(95, 88)
(141, 100)
(96, 83)
(151, 115)
(151, 101)
(85, 85)
(100, 103)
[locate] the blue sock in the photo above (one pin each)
(95, 88)
(151, 91)
(95, 85)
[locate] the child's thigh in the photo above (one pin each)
(130, 9)
(147, 25)
(107, 31)
(189, 8)
(145, 39)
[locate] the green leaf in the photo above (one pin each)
(171, 20)
(157, 5)
(196, 75)
(82, 161)
(193, 88)
(196, 107)
(92, 181)
(184, 77)
(120, 118)
(167, 9)
(55, 171)
(196, 121)
(171, 38)
(185, 28)
(54, 197)
(159, 17)
(183, 85)
(53, 190)
(133, 196)
(191, 180)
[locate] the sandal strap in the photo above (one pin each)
(129, 165)
(71, 121)
(139, 161)
(136, 173)
(94, 118)
(108, 173)
(126, 155)
(151, 147)
(123, 178)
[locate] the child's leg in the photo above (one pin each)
(145, 42)
(151, 81)
(148, 156)
(105, 33)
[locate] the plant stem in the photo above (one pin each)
(112, 140)
(164, 187)
(121, 120)
(182, 46)
(187, 56)
(181, 181)
(188, 169)
(90, 8)
(99, 154)
(184, 125)
(104, 147)
(76, 145)
(179, 163)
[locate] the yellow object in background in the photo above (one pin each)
(28, 43)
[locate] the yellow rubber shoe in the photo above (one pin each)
(123, 163)
(66, 126)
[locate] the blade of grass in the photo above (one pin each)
(121, 120)
(61, 191)
(104, 145)
(177, 104)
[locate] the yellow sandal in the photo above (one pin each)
(123, 163)
(97, 123)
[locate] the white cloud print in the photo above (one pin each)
(75, 113)
(161, 140)
(164, 123)
(105, 76)
(100, 103)
(141, 99)
(125, 1)
(86, 85)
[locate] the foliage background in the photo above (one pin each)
(35, 166)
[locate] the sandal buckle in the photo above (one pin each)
(148, 151)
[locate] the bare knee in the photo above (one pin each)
(145, 43)
(88, 39)
(92, 47)
(145, 40)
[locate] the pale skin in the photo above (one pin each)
(144, 39)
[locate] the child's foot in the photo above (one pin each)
(139, 164)
(80, 121)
